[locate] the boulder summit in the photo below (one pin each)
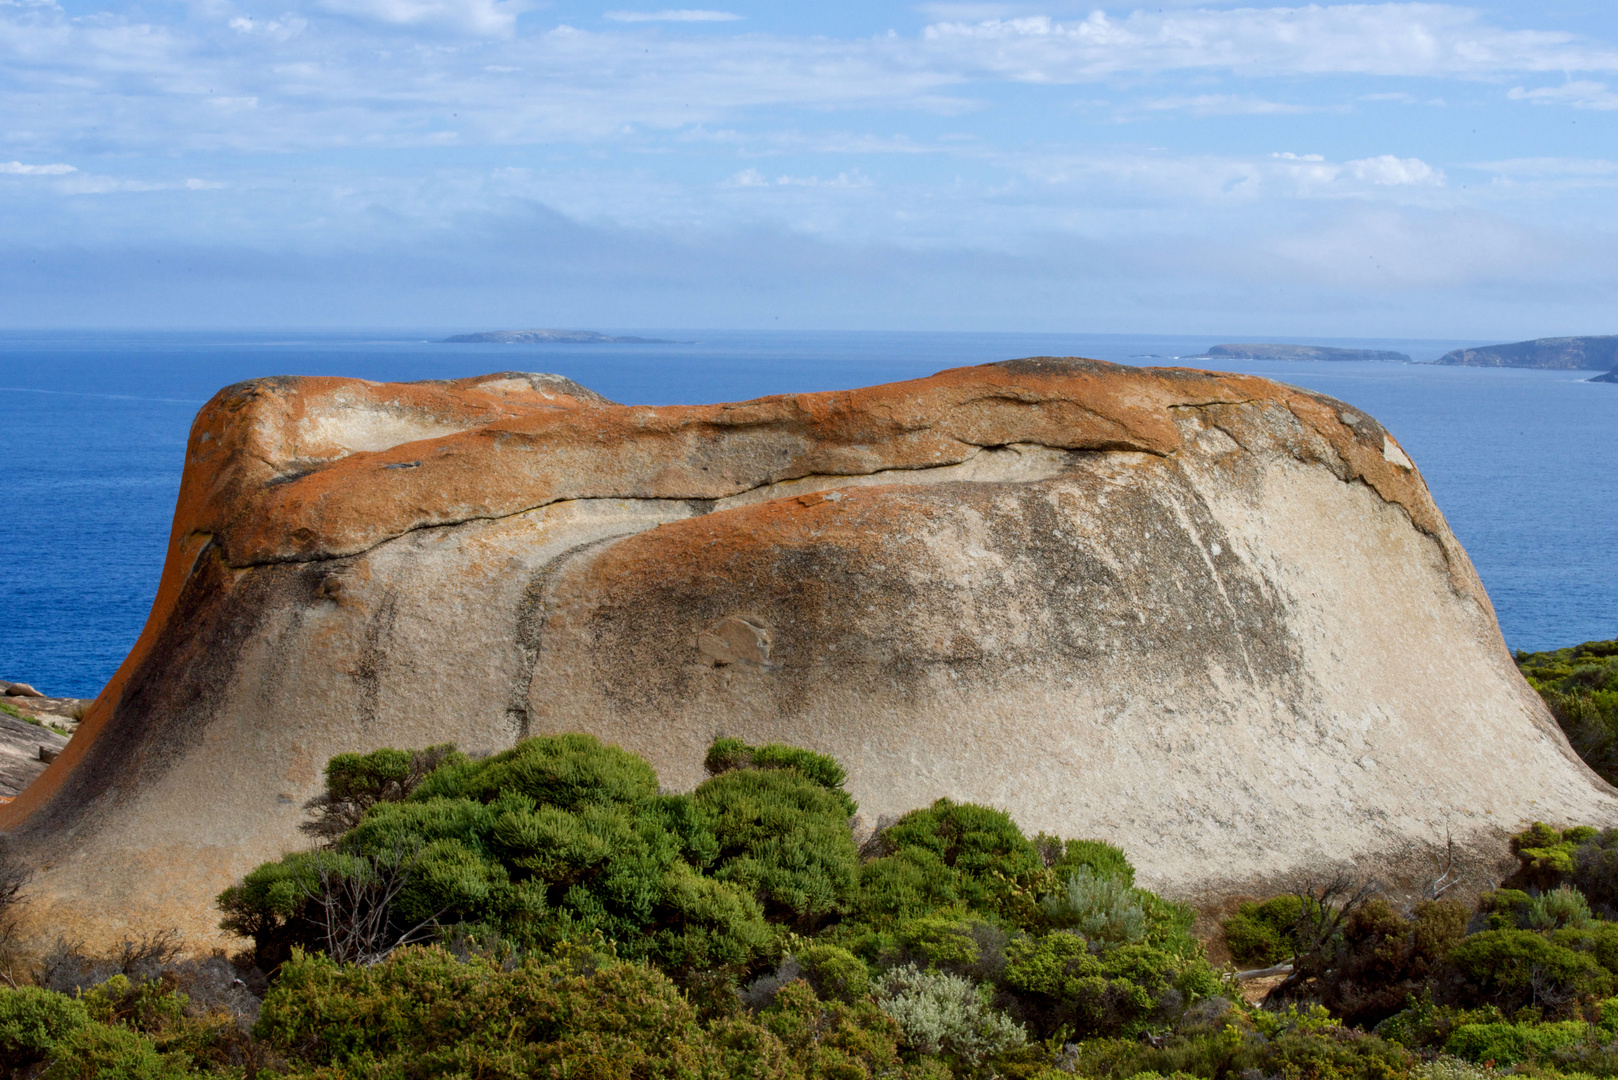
(1213, 619)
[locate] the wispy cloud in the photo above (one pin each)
(17, 168)
(324, 82)
(752, 178)
(1382, 39)
(681, 15)
(481, 17)
(329, 135)
(1229, 105)
(1581, 94)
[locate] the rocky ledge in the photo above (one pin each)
(33, 730)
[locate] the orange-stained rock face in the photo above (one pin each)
(1213, 619)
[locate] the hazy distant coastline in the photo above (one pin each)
(552, 337)
(1302, 352)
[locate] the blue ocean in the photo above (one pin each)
(92, 440)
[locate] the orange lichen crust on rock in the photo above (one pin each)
(291, 504)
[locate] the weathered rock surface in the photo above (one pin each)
(1211, 618)
(21, 757)
(1305, 352)
(1560, 353)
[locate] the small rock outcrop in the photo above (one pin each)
(33, 730)
(1304, 352)
(1559, 353)
(1211, 618)
(1609, 377)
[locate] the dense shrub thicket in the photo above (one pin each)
(548, 912)
(1580, 685)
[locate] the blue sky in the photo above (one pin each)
(1395, 170)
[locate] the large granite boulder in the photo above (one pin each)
(1213, 619)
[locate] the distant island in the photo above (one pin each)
(552, 337)
(1558, 353)
(1303, 352)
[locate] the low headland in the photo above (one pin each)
(1556, 353)
(1303, 352)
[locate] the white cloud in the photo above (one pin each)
(1581, 94)
(321, 83)
(287, 26)
(1381, 39)
(1226, 105)
(752, 178)
(1389, 171)
(685, 15)
(17, 168)
(494, 18)
(1168, 180)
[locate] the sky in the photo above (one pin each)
(1331, 170)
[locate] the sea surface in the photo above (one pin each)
(93, 430)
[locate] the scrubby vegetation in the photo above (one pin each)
(1580, 684)
(549, 912)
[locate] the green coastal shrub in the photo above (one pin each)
(835, 974)
(1063, 985)
(1513, 968)
(784, 838)
(557, 838)
(1260, 933)
(1384, 959)
(952, 940)
(727, 755)
(114, 1052)
(1063, 857)
(357, 782)
(954, 853)
(32, 1022)
(1508, 1044)
(1426, 1025)
(1580, 687)
(423, 1012)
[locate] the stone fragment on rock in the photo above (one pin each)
(21, 689)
